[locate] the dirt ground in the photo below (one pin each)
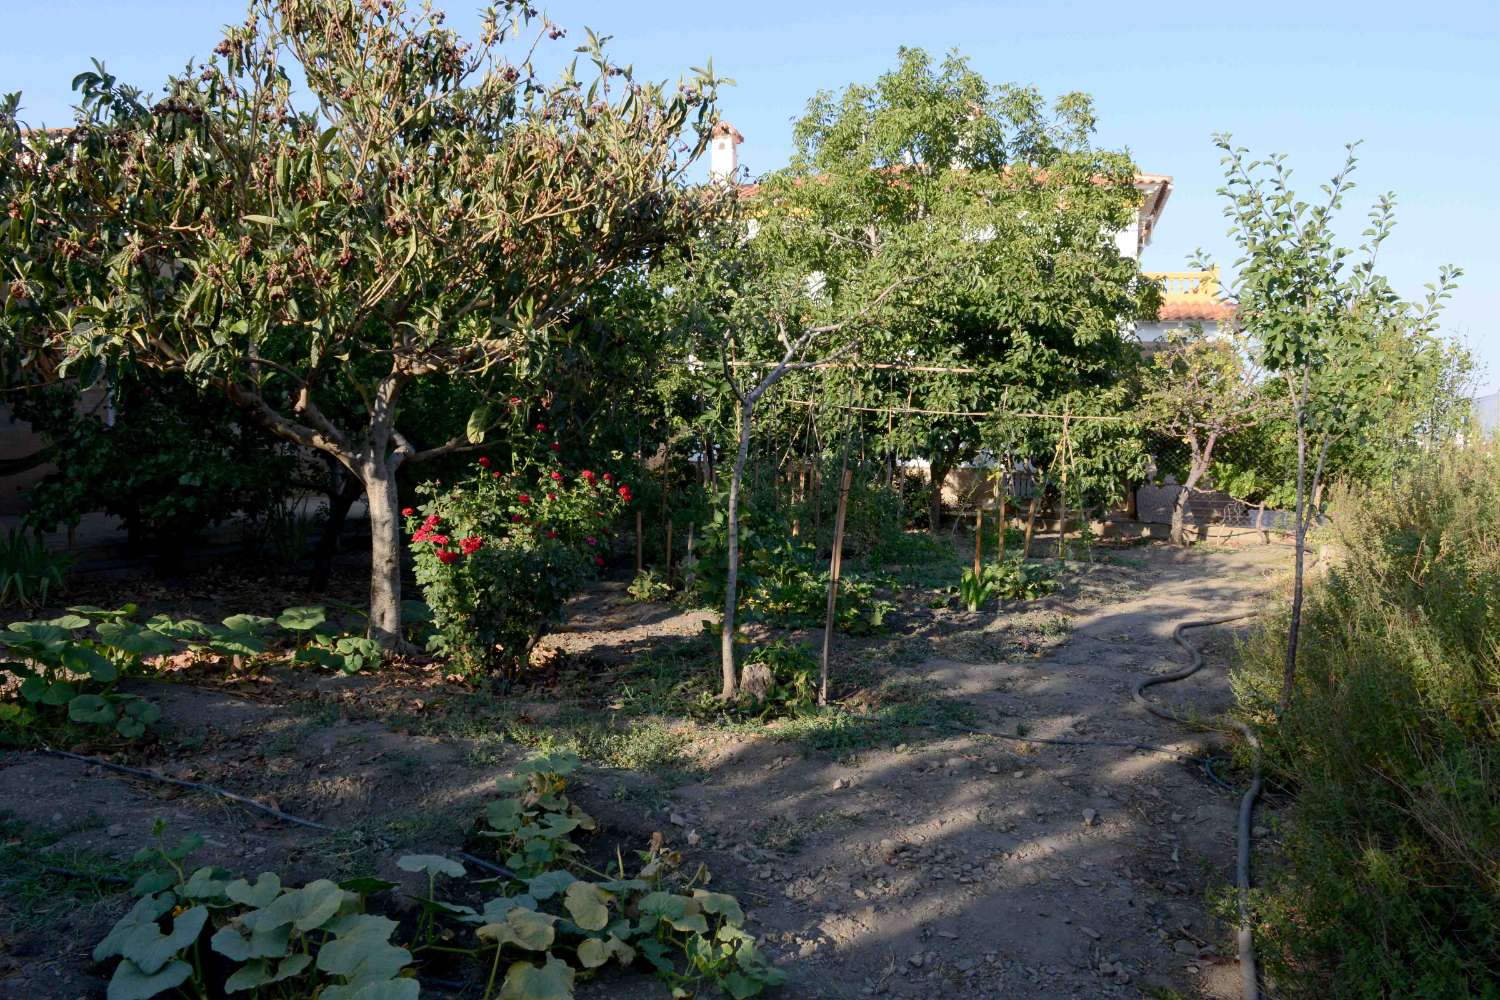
(930, 843)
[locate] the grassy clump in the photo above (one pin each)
(1390, 885)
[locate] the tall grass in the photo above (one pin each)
(1389, 884)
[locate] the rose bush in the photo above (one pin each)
(498, 554)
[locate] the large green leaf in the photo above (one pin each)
(311, 906)
(134, 639)
(130, 983)
(522, 928)
(146, 911)
(302, 619)
(549, 884)
(524, 981)
(92, 709)
(391, 989)
(150, 949)
(85, 660)
(361, 949)
(588, 905)
(432, 864)
(594, 952)
(266, 888)
(721, 903)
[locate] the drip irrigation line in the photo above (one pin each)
(488, 866)
(85, 876)
(140, 772)
(1249, 985)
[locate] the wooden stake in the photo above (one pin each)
(835, 563)
(669, 551)
(1030, 522)
(1000, 513)
(978, 536)
(639, 535)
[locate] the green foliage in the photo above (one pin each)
(649, 586)
(570, 918)
(498, 554)
(328, 270)
(172, 460)
(1387, 884)
(794, 677)
(206, 933)
(1011, 580)
(29, 573)
(784, 582)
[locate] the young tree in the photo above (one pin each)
(1348, 349)
(422, 209)
(1199, 389)
(1007, 206)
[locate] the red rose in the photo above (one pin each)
(471, 544)
(431, 522)
(551, 534)
(407, 512)
(515, 401)
(524, 498)
(591, 540)
(556, 476)
(438, 540)
(447, 556)
(484, 461)
(515, 518)
(625, 492)
(587, 475)
(598, 560)
(555, 446)
(494, 475)
(551, 496)
(541, 428)
(608, 477)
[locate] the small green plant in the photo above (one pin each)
(205, 933)
(567, 916)
(29, 573)
(1011, 580)
(649, 586)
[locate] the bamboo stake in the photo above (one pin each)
(978, 536)
(640, 532)
(1000, 497)
(1030, 522)
(834, 565)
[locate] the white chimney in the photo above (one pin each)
(723, 152)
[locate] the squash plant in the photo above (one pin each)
(262, 937)
(559, 915)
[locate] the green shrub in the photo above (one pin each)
(29, 574)
(1011, 580)
(207, 933)
(498, 554)
(1390, 885)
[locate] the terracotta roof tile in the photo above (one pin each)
(1205, 311)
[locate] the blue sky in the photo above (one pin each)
(1419, 83)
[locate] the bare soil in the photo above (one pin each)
(949, 849)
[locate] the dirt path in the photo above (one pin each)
(984, 867)
(963, 862)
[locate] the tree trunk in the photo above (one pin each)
(379, 478)
(1294, 628)
(732, 573)
(1196, 471)
(1031, 508)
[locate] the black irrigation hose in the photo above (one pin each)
(1249, 985)
(140, 772)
